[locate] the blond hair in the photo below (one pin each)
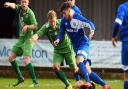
(51, 14)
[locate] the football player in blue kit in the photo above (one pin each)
(74, 25)
(121, 25)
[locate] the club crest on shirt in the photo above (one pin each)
(74, 23)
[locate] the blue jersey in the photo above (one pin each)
(75, 29)
(122, 20)
(121, 25)
(76, 9)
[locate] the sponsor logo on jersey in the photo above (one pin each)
(72, 30)
(69, 30)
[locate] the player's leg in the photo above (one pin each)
(81, 55)
(57, 59)
(124, 59)
(31, 71)
(27, 53)
(71, 61)
(83, 70)
(16, 51)
(92, 75)
(76, 74)
(95, 78)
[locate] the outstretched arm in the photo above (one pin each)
(10, 5)
(40, 33)
(61, 33)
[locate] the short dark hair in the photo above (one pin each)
(65, 6)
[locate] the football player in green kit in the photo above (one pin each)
(62, 51)
(27, 23)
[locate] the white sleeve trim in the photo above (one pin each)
(125, 68)
(92, 30)
(118, 21)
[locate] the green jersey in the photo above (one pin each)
(64, 46)
(25, 19)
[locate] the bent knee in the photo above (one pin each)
(79, 59)
(56, 67)
(11, 57)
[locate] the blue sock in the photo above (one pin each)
(83, 71)
(125, 84)
(95, 78)
(77, 76)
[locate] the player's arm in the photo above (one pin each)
(87, 23)
(61, 33)
(118, 22)
(40, 33)
(33, 25)
(10, 5)
(91, 26)
(30, 27)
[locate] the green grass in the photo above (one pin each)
(51, 84)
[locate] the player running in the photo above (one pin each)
(27, 23)
(62, 51)
(73, 24)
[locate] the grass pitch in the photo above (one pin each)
(5, 83)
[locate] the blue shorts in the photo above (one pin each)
(82, 49)
(124, 55)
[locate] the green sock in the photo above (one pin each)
(32, 73)
(17, 69)
(61, 75)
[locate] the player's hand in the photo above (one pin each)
(33, 39)
(91, 35)
(6, 4)
(114, 41)
(24, 29)
(56, 42)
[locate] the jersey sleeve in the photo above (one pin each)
(83, 22)
(116, 28)
(120, 14)
(33, 19)
(18, 8)
(42, 31)
(119, 20)
(76, 9)
(62, 30)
